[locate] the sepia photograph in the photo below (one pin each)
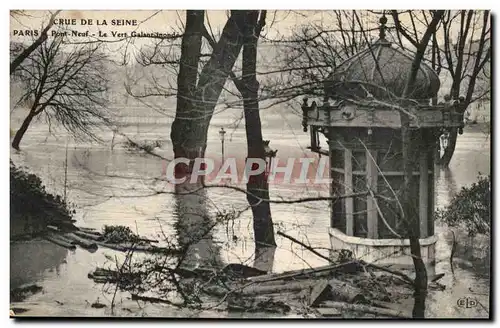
(250, 164)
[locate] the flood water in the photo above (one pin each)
(116, 186)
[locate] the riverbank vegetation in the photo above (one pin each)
(32, 208)
(470, 208)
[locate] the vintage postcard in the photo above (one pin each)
(250, 164)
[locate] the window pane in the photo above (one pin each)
(338, 206)
(360, 227)
(359, 161)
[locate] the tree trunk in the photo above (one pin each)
(410, 214)
(450, 148)
(22, 130)
(196, 101)
(184, 142)
(257, 186)
(216, 71)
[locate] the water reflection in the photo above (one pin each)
(194, 226)
(29, 260)
(264, 258)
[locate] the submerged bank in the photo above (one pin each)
(32, 208)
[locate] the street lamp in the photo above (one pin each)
(222, 135)
(270, 154)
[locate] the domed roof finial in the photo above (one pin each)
(382, 28)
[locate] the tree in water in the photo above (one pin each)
(248, 86)
(198, 95)
(68, 84)
(200, 82)
(257, 186)
(464, 61)
(241, 30)
(409, 213)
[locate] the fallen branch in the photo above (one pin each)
(396, 273)
(313, 272)
(87, 235)
(365, 309)
(136, 297)
(343, 291)
(309, 248)
(81, 241)
(58, 241)
(255, 289)
(89, 230)
(63, 238)
(125, 247)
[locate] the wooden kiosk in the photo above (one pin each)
(360, 117)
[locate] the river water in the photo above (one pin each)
(116, 186)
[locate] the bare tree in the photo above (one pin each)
(463, 56)
(41, 39)
(307, 57)
(465, 61)
(66, 83)
(190, 127)
(257, 186)
(197, 94)
(409, 214)
(187, 79)
(248, 86)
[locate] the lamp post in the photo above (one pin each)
(221, 135)
(270, 155)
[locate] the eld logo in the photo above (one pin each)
(467, 302)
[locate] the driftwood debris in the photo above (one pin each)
(319, 291)
(90, 239)
(63, 238)
(126, 247)
(85, 243)
(329, 312)
(365, 309)
(404, 277)
(237, 270)
(256, 289)
(56, 239)
(307, 273)
(326, 291)
(87, 235)
(91, 230)
(343, 291)
(136, 297)
(274, 303)
(337, 289)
